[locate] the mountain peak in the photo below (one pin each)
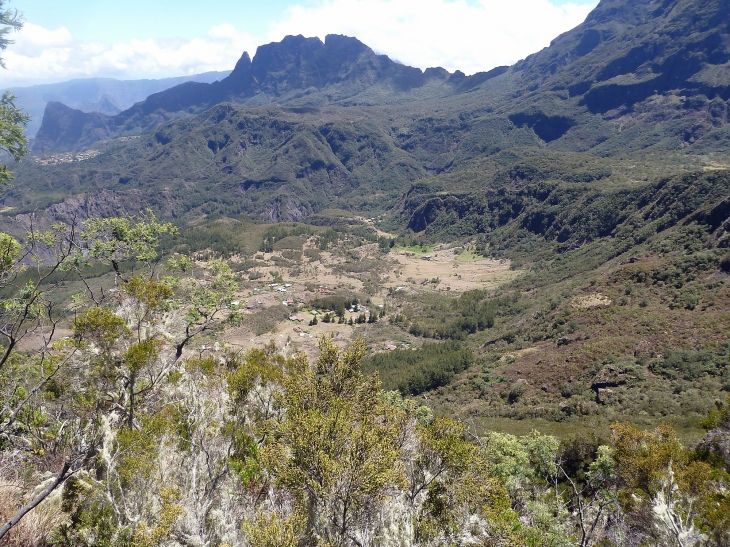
(625, 53)
(295, 67)
(240, 77)
(243, 64)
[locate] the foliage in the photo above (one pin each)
(9, 20)
(170, 511)
(204, 298)
(470, 313)
(272, 530)
(688, 364)
(718, 417)
(335, 448)
(12, 121)
(117, 237)
(100, 326)
(12, 125)
(659, 475)
(427, 368)
(91, 399)
(618, 240)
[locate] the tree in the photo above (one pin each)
(335, 447)
(12, 121)
(204, 297)
(596, 499)
(9, 20)
(663, 485)
(39, 399)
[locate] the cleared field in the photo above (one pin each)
(365, 273)
(452, 274)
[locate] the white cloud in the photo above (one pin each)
(469, 36)
(34, 39)
(42, 55)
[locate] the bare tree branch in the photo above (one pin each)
(64, 474)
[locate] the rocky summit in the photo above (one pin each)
(298, 71)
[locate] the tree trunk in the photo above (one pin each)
(130, 420)
(60, 478)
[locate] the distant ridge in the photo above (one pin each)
(88, 95)
(292, 71)
(625, 53)
(306, 125)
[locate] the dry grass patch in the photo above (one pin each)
(588, 301)
(453, 275)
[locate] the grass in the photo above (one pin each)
(598, 427)
(416, 249)
(469, 255)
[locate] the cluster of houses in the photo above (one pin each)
(68, 157)
(280, 287)
(299, 330)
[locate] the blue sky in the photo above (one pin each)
(121, 20)
(129, 39)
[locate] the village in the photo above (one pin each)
(327, 294)
(67, 157)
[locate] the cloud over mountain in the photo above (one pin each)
(469, 35)
(43, 55)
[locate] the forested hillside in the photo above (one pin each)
(332, 300)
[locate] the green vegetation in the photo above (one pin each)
(417, 249)
(415, 372)
(596, 167)
(12, 120)
(264, 441)
(692, 365)
(470, 313)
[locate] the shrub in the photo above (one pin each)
(414, 372)
(686, 364)
(725, 263)
(517, 390)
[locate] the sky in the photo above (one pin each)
(132, 39)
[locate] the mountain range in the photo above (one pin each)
(106, 95)
(598, 167)
(308, 125)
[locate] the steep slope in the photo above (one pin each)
(298, 71)
(633, 75)
(637, 74)
(87, 95)
(607, 194)
(338, 100)
(267, 162)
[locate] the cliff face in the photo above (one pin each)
(623, 55)
(291, 71)
(309, 124)
(626, 52)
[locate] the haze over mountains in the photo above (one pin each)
(308, 124)
(621, 56)
(299, 72)
(106, 95)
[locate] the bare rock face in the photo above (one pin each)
(717, 441)
(610, 376)
(100, 204)
(605, 395)
(280, 72)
